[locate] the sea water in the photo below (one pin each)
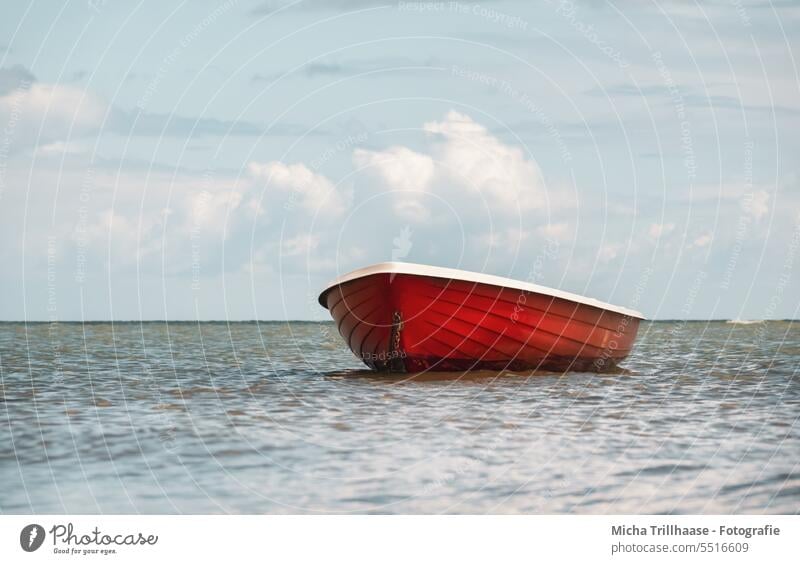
(282, 418)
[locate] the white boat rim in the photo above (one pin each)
(468, 276)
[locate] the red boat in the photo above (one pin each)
(412, 318)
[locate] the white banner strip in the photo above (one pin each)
(402, 539)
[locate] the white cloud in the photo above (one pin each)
(658, 230)
(608, 252)
(759, 206)
(302, 186)
(44, 113)
(210, 211)
(300, 245)
(555, 231)
(60, 148)
(476, 160)
(506, 240)
(701, 241)
(466, 166)
(125, 239)
(400, 168)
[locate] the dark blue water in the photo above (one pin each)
(276, 417)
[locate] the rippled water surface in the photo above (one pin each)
(276, 417)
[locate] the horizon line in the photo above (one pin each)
(43, 321)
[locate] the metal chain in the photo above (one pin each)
(397, 323)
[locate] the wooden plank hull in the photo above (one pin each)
(412, 323)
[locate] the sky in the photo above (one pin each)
(226, 159)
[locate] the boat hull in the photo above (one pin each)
(411, 323)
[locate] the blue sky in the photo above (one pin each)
(223, 160)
